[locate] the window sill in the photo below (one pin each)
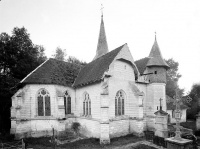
(69, 115)
(86, 117)
(44, 117)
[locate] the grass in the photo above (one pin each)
(39, 143)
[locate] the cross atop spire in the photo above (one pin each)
(155, 35)
(102, 10)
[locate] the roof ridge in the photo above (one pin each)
(34, 70)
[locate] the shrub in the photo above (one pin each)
(76, 127)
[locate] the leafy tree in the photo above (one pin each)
(195, 103)
(41, 55)
(172, 77)
(4, 53)
(18, 57)
(74, 60)
(75, 66)
(24, 55)
(60, 54)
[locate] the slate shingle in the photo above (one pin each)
(94, 71)
(141, 64)
(53, 72)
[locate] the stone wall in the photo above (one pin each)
(89, 127)
(40, 127)
(24, 113)
(94, 93)
(123, 127)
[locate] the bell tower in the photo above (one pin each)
(156, 67)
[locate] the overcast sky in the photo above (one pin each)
(74, 25)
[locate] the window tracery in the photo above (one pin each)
(119, 103)
(86, 105)
(44, 105)
(67, 103)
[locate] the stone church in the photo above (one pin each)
(112, 96)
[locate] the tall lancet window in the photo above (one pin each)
(119, 103)
(86, 105)
(44, 105)
(67, 103)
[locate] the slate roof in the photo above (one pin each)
(172, 106)
(141, 64)
(53, 72)
(94, 71)
(156, 58)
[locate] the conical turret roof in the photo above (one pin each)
(155, 56)
(102, 46)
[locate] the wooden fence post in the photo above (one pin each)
(23, 144)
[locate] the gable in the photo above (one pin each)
(123, 70)
(126, 57)
(93, 72)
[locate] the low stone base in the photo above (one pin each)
(37, 134)
(178, 144)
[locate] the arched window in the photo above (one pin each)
(67, 103)
(119, 103)
(86, 105)
(44, 105)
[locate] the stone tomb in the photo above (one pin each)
(161, 129)
(173, 143)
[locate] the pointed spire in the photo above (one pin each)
(102, 46)
(156, 56)
(155, 50)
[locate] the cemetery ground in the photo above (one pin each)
(127, 142)
(90, 143)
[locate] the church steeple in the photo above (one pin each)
(156, 65)
(155, 56)
(102, 46)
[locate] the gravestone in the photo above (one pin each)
(161, 129)
(173, 143)
(177, 142)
